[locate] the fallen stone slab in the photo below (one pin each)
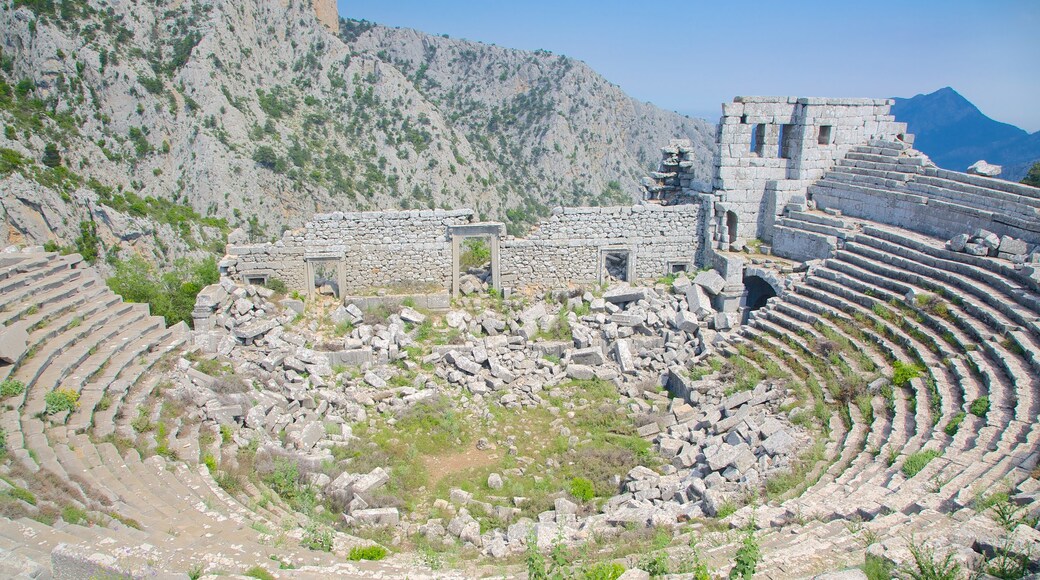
(580, 372)
(592, 356)
(711, 281)
(623, 353)
(13, 342)
(378, 516)
(1015, 247)
(370, 481)
(411, 315)
(623, 294)
(254, 329)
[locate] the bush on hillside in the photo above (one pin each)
(171, 294)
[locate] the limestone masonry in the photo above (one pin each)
(775, 157)
(843, 360)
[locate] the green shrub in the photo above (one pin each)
(277, 285)
(285, 478)
(655, 564)
(954, 424)
(170, 295)
(367, 553)
(51, 156)
(3, 441)
(903, 373)
(60, 400)
(747, 557)
(88, 242)
(210, 462)
(601, 571)
(582, 489)
(929, 566)
(917, 461)
(979, 407)
(476, 252)
(10, 388)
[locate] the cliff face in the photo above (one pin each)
(327, 14)
(175, 122)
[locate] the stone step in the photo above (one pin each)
(122, 371)
(100, 305)
(16, 264)
(838, 233)
(33, 272)
(934, 253)
(28, 370)
(984, 189)
(48, 377)
(64, 286)
(970, 285)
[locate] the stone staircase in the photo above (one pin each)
(888, 182)
(141, 513)
(969, 323)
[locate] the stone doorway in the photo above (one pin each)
(325, 275)
(731, 226)
(616, 264)
(473, 243)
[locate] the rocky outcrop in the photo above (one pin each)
(327, 14)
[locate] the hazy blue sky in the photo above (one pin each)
(691, 55)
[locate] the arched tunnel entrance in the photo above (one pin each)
(758, 291)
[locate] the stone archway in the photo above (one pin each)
(760, 285)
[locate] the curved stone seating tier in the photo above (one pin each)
(1014, 367)
(984, 344)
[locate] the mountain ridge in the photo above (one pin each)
(955, 133)
(256, 116)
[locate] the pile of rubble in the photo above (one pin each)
(987, 243)
(638, 338)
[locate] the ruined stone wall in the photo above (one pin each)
(771, 148)
(405, 250)
(569, 245)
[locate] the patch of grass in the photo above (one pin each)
(877, 568)
(73, 515)
(929, 565)
(979, 407)
(22, 494)
(781, 483)
(954, 424)
(61, 400)
(915, 462)
(317, 537)
(10, 388)
(367, 553)
(903, 373)
(258, 572)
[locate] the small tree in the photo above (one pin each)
(88, 241)
(51, 156)
(1033, 177)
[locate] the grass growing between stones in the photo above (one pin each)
(915, 462)
(797, 478)
(574, 447)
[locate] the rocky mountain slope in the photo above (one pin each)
(955, 134)
(173, 122)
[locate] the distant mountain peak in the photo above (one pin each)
(955, 133)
